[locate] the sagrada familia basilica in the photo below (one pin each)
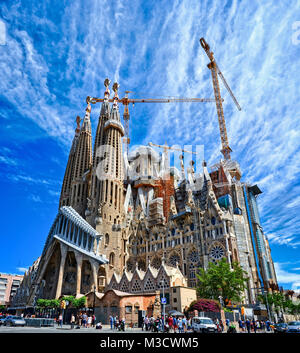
(132, 223)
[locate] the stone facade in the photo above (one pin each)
(121, 304)
(138, 213)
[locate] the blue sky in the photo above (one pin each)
(55, 53)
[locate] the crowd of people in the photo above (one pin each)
(170, 324)
(254, 326)
(117, 323)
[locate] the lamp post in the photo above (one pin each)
(94, 300)
(164, 306)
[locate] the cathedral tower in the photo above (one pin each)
(110, 198)
(65, 195)
(93, 213)
(82, 166)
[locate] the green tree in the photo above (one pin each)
(69, 298)
(79, 303)
(219, 279)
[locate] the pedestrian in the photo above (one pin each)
(268, 324)
(180, 325)
(240, 325)
(146, 323)
(174, 324)
(189, 327)
(184, 323)
(60, 320)
(248, 325)
(84, 320)
(111, 321)
(254, 325)
(170, 323)
(93, 320)
(72, 321)
(115, 322)
(221, 325)
(89, 321)
(123, 324)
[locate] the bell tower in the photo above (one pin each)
(65, 195)
(82, 166)
(108, 169)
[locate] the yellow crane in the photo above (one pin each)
(126, 101)
(215, 71)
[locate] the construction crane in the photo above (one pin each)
(126, 101)
(166, 148)
(214, 71)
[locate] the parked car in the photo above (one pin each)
(203, 324)
(14, 321)
(280, 328)
(2, 318)
(293, 327)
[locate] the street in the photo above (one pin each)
(66, 329)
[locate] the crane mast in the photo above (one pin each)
(215, 71)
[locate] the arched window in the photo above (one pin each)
(106, 239)
(112, 259)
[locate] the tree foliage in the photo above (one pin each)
(48, 303)
(55, 303)
(220, 280)
(280, 301)
(79, 303)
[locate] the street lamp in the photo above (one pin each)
(94, 300)
(163, 303)
(221, 301)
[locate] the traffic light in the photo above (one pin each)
(62, 304)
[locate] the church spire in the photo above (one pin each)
(69, 172)
(110, 203)
(82, 164)
(97, 184)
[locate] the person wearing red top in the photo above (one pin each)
(170, 323)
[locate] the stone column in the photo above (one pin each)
(79, 259)
(95, 267)
(63, 250)
(59, 223)
(98, 243)
(78, 243)
(63, 226)
(227, 245)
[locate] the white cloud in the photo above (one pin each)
(22, 269)
(35, 198)
(287, 277)
(157, 53)
(8, 161)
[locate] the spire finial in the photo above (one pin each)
(78, 120)
(106, 84)
(115, 89)
(88, 108)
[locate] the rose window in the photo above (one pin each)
(156, 262)
(217, 252)
(174, 260)
(194, 256)
(129, 266)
